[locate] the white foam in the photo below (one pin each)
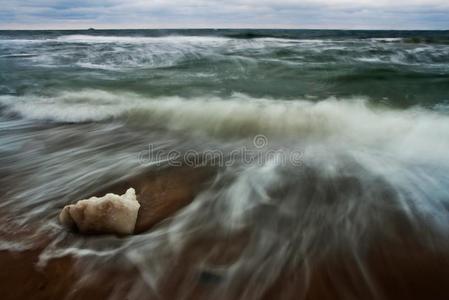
(371, 59)
(350, 120)
(88, 39)
(388, 40)
(89, 65)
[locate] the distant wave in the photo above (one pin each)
(85, 38)
(114, 53)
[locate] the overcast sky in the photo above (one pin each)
(347, 14)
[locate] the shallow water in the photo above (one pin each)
(323, 143)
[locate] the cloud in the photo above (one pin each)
(379, 14)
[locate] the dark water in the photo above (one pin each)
(357, 121)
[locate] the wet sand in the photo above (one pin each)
(396, 272)
(403, 268)
(161, 193)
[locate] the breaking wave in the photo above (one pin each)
(238, 115)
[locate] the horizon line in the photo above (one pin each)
(213, 28)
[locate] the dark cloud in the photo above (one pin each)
(383, 14)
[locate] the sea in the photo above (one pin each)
(322, 142)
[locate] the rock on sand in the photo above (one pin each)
(108, 214)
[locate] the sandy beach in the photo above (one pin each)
(387, 271)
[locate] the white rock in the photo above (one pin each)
(108, 214)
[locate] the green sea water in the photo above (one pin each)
(393, 67)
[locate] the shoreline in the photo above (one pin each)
(390, 269)
(413, 273)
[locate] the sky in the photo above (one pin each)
(316, 14)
